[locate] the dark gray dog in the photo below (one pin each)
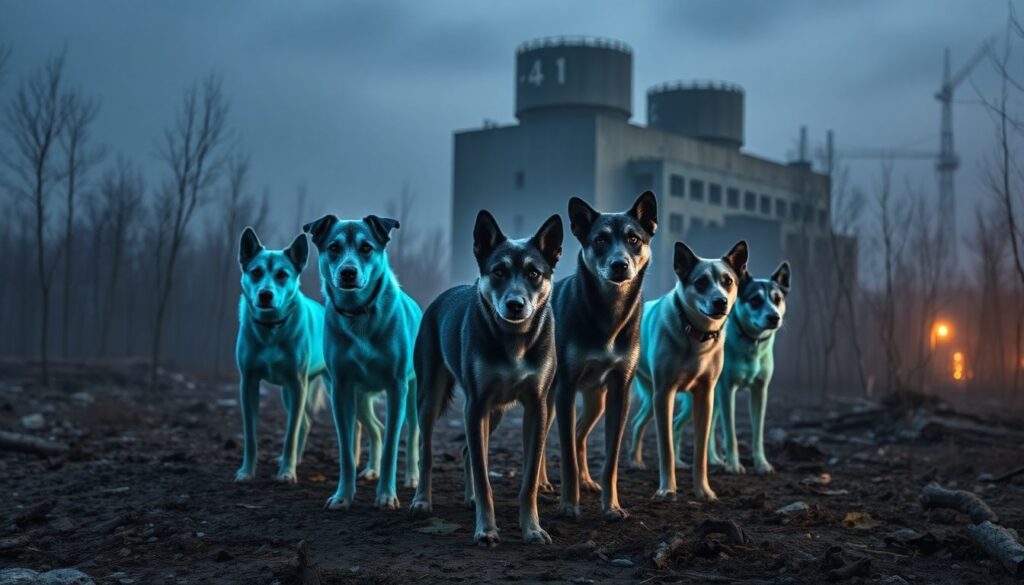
(597, 333)
(496, 340)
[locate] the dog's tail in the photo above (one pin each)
(316, 402)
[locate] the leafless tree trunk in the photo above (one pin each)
(35, 120)
(79, 158)
(122, 190)
(893, 238)
(191, 149)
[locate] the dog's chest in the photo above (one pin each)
(274, 364)
(505, 380)
(592, 366)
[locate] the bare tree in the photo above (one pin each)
(413, 254)
(191, 148)
(891, 218)
(35, 120)
(121, 192)
(79, 158)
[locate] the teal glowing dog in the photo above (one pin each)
(370, 327)
(280, 341)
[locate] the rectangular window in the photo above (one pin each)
(766, 205)
(733, 197)
(696, 190)
(675, 223)
(750, 201)
(796, 211)
(676, 185)
(644, 182)
(520, 179)
(781, 208)
(714, 194)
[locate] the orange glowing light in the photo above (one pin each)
(958, 365)
(942, 330)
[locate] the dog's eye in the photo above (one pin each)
(756, 302)
(257, 273)
(366, 248)
(533, 274)
(498, 272)
(601, 240)
(281, 275)
(727, 281)
(334, 248)
(633, 241)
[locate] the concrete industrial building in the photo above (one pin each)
(574, 137)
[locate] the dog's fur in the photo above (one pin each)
(280, 341)
(749, 364)
(496, 340)
(370, 326)
(597, 333)
(682, 349)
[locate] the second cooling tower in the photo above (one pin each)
(574, 73)
(708, 111)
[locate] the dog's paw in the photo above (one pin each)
(288, 476)
(680, 464)
(762, 467)
(387, 502)
(589, 485)
(369, 474)
(706, 495)
(245, 475)
(570, 511)
(420, 508)
(545, 487)
(735, 468)
(411, 482)
(469, 502)
(487, 538)
(637, 464)
(338, 502)
(615, 514)
(536, 535)
(664, 495)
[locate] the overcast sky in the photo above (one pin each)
(356, 98)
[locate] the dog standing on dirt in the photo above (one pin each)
(370, 326)
(597, 333)
(682, 349)
(280, 341)
(496, 340)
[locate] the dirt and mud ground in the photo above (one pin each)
(144, 495)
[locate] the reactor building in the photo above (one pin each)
(573, 103)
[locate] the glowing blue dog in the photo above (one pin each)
(370, 329)
(280, 341)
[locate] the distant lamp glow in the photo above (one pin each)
(958, 365)
(942, 330)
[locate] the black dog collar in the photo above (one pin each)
(367, 309)
(273, 324)
(691, 330)
(751, 338)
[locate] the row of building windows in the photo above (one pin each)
(783, 209)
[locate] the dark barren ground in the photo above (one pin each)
(144, 495)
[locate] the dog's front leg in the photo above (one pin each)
(565, 405)
(642, 418)
(295, 408)
(664, 403)
(412, 440)
(534, 421)
(680, 420)
(617, 402)
(477, 428)
(367, 418)
(249, 401)
(387, 494)
(727, 410)
(593, 408)
(543, 483)
(758, 406)
(703, 404)
(343, 406)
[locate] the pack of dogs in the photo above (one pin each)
(514, 336)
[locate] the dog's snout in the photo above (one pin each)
(515, 305)
(720, 304)
(265, 297)
(773, 320)
(619, 265)
(348, 274)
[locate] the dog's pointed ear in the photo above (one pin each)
(781, 276)
(249, 246)
(548, 239)
(381, 227)
(319, 229)
(486, 236)
(645, 211)
(298, 252)
(737, 259)
(684, 260)
(581, 218)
